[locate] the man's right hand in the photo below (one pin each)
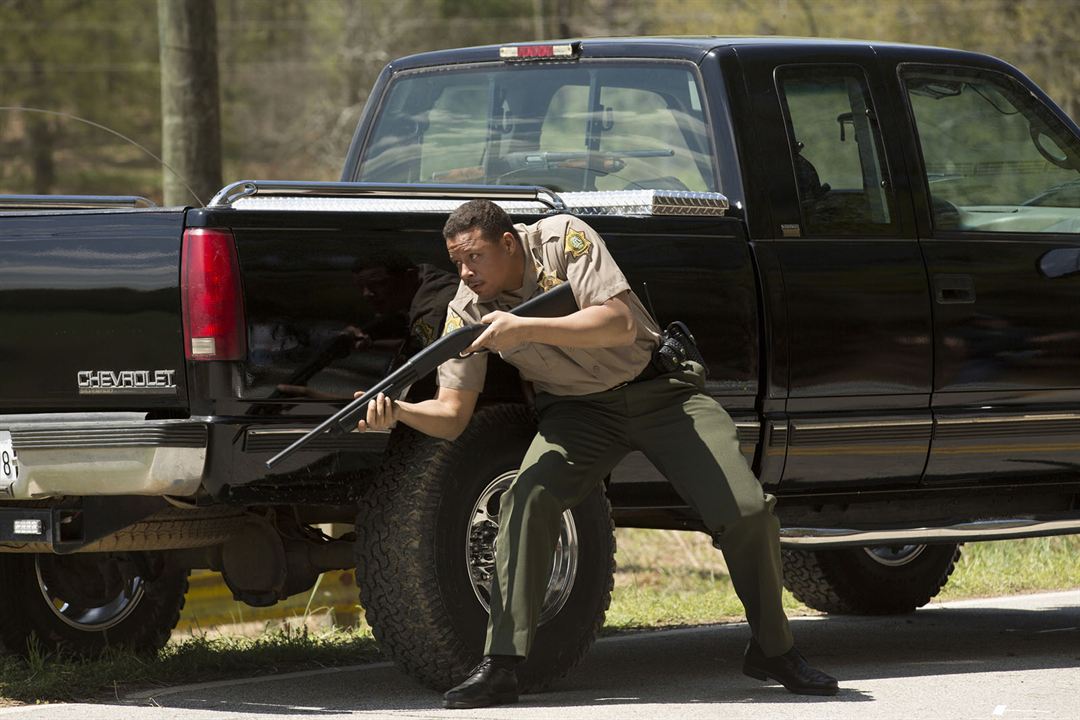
(381, 413)
(445, 416)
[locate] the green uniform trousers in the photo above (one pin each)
(691, 440)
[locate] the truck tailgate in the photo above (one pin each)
(90, 311)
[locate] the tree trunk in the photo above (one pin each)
(563, 10)
(538, 20)
(190, 102)
(39, 133)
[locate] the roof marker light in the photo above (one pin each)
(539, 52)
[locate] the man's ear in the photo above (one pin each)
(510, 242)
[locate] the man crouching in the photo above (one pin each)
(600, 394)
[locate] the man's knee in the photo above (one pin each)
(755, 516)
(527, 492)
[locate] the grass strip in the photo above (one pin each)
(1013, 567)
(50, 678)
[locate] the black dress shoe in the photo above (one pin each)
(492, 682)
(789, 669)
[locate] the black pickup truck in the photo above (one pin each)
(877, 247)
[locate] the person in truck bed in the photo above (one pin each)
(600, 393)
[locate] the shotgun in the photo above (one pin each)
(556, 302)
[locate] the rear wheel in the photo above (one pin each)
(83, 603)
(425, 554)
(877, 580)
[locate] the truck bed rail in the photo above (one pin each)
(230, 194)
(444, 198)
(72, 202)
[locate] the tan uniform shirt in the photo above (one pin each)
(557, 249)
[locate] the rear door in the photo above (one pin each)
(841, 239)
(999, 217)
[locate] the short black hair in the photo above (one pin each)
(491, 219)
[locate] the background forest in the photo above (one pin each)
(294, 74)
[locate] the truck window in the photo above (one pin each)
(836, 150)
(580, 127)
(996, 160)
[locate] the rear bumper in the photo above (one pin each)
(105, 454)
(124, 454)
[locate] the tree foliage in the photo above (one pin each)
(92, 60)
(294, 74)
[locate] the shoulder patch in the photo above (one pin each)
(423, 332)
(453, 322)
(576, 243)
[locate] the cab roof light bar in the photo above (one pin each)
(561, 51)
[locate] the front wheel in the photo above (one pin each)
(876, 580)
(85, 602)
(425, 554)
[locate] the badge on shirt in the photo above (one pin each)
(453, 322)
(576, 243)
(546, 280)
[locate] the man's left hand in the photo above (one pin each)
(504, 331)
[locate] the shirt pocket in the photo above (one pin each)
(529, 362)
(587, 361)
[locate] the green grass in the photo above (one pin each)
(670, 578)
(667, 578)
(49, 678)
(1015, 566)
(664, 579)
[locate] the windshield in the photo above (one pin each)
(568, 127)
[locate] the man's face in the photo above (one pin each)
(487, 267)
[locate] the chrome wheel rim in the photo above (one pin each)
(90, 617)
(480, 551)
(894, 555)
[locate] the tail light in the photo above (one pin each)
(210, 291)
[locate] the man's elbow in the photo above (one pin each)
(453, 432)
(622, 323)
(627, 330)
(456, 419)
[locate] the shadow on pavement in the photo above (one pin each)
(702, 666)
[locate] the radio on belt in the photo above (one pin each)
(540, 52)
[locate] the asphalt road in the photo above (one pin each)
(1012, 658)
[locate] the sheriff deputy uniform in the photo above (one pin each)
(595, 405)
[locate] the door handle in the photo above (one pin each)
(954, 289)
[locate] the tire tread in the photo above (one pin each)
(843, 582)
(396, 570)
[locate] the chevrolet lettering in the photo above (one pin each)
(100, 382)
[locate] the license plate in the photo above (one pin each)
(9, 463)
